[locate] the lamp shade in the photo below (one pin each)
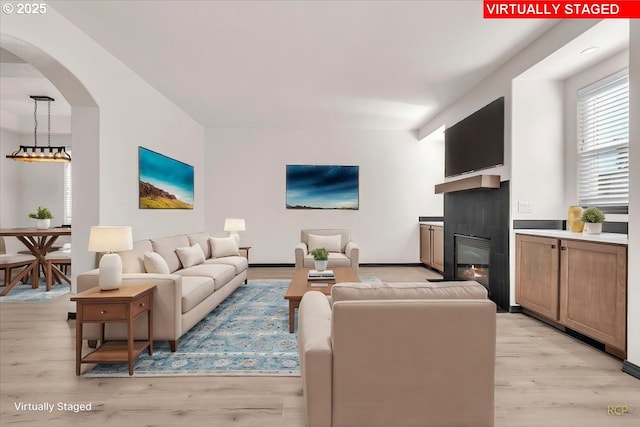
(234, 224)
(110, 239)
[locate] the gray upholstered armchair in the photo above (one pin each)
(342, 251)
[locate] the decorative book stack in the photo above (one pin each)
(321, 275)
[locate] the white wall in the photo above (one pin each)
(113, 111)
(537, 152)
(633, 281)
(246, 179)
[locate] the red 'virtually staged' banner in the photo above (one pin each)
(494, 9)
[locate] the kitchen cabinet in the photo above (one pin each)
(432, 246)
(580, 285)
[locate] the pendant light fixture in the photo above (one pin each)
(36, 153)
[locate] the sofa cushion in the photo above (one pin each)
(190, 255)
(154, 263)
(330, 243)
(133, 260)
(203, 240)
(408, 290)
(166, 247)
(238, 262)
(220, 273)
(194, 290)
(224, 246)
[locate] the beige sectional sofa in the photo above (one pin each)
(193, 274)
(398, 354)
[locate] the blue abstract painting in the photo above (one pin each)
(164, 183)
(322, 187)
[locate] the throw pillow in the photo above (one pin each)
(154, 263)
(190, 255)
(330, 243)
(224, 246)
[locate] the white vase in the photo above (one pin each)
(43, 224)
(321, 265)
(592, 227)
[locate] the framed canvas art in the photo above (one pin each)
(322, 187)
(164, 183)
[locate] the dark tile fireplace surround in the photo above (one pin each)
(481, 213)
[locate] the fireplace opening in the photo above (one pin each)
(472, 258)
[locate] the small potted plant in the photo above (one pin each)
(593, 219)
(43, 218)
(320, 258)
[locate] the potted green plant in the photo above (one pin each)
(593, 219)
(320, 258)
(43, 218)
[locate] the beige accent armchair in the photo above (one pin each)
(398, 354)
(345, 254)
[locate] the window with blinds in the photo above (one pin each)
(67, 193)
(603, 144)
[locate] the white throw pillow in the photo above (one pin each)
(224, 246)
(330, 243)
(190, 255)
(154, 263)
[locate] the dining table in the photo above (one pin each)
(39, 242)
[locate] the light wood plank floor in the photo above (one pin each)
(543, 378)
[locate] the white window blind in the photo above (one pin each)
(603, 143)
(67, 193)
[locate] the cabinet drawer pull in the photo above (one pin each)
(103, 311)
(141, 304)
(562, 248)
(553, 246)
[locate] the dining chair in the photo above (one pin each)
(62, 260)
(13, 260)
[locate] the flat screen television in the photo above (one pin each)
(476, 142)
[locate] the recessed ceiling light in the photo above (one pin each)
(589, 50)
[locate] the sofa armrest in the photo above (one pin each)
(301, 251)
(167, 301)
(353, 253)
(316, 357)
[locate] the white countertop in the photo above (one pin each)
(619, 239)
(437, 223)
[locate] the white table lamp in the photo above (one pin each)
(233, 225)
(110, 239)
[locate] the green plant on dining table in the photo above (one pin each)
(41, 213)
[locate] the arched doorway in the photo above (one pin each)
(84, 140)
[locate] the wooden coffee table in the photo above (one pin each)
(300, 284)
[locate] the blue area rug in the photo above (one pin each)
(24, 293)
(246, 335)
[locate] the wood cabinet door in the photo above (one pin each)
(425, 245)
(437, 248)
(537, 274)
(593, 290)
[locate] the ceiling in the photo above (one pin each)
(292, 64)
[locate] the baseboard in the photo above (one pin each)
(71, 316)
(515, 309)
(272, 265)
(400, 264)
(631, 369)
(392, 264)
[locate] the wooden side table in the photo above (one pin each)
(122, 305)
